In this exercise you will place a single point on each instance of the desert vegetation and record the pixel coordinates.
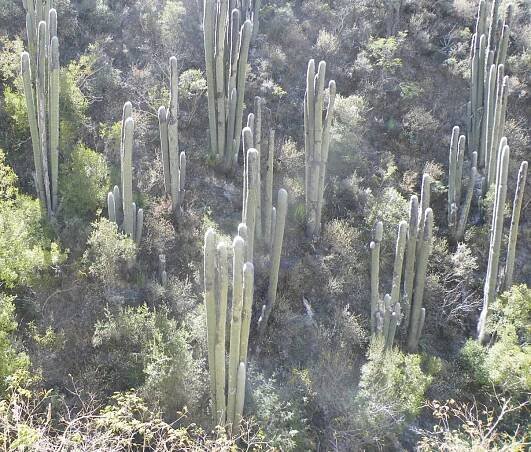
(265, 225)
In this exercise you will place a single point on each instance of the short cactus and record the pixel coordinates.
(130, 220)
(173, 162)
(458, 210)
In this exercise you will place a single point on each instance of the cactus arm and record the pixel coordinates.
(420, 280)
(325, 148)
(54, 116)
(282, 204)
(163, 133)
(34, 129)
(222, 284)
(111, 207)
(411, 249)
(250, 202)
(399, 261)
(246, 31)
(236, 323)
(210, 308)
(375, 272)
(182, 176)
(139, 226)
(248, 285)
(515, 221)
(268, 195)
(127, 177)
(209, 39)
(240, 395)
(495, 242)
(463, 217)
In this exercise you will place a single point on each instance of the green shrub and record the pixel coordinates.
(84, 182)
(25, 248)
(110, 254)
(147, 350)
(391, 393)
(11, 360)
(505, 364)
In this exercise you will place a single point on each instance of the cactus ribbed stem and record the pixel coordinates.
(282, 208)
(248, 287)
(268, 195)
(515, 221)
(251, 193)
(317, 140)
(209, 254)
(423, 252)
(491, 278)
(236, 324)
(411, 249)
(375, 272)
(111, 207)
(173, 162)
(222, 284)
(399, 261)
(226, 52)
(127, 176)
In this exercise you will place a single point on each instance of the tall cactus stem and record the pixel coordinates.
(282, 208)
(515, 221)
(375, 272)
(423, 251)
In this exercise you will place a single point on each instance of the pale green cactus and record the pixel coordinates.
(226, 66)
(375, 273)
(417, 314)
(488, 92)
(515, 221)
(316, 142)
(458, 210)
(173, 162)
(282, 208)
(251, 191)
(40, 74)
(227, 384)
(268, 195)
(496, 233)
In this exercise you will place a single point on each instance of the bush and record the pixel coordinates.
(110, 254)
(11, 360)
(24, 246)
(391, 393)
(507, 363)
(84, 182)
(147, 350)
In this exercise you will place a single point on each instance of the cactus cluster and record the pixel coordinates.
(226, 51)
(120, 205)
(496, 234)
(173, 163)
(316, 142)
(227, 383)
(413, 247)
(249, 9)
(40, 75)
(458, 208)
(489, 86)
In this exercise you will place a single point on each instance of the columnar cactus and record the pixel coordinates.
(515, 221)
(268, 195)
(226, 52)
(375, 272)
(130, 220)
(227, 391)
(316, 142)
(250, 9)
(282, 208)
(418, 313)
(173, 163)
(488, 94)
(491, 279)
(386, 316)
(251, 192)
(163, 275)
(40, 74)
(457, 210)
